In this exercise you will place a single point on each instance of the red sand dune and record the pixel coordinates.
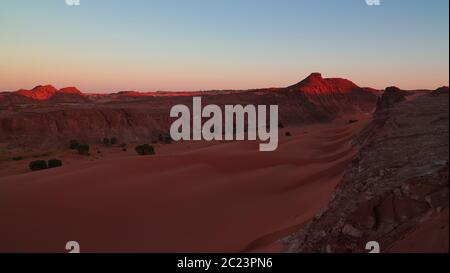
(222, 198)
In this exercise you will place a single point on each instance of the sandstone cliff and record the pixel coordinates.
(396, 188)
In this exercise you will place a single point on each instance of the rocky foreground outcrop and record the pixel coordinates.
(396, 189)
(46, 117)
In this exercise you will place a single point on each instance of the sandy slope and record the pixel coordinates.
(222, 198)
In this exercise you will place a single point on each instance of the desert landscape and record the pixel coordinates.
(353, 165)
(225, 135)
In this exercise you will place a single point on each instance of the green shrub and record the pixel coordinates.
(54, 163)
(38, 165)
(83, 149)
(145, 150)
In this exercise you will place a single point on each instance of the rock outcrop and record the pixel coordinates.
(39, 93)
(390, 97)
(441, 91)
(68, 114)
(395, 189)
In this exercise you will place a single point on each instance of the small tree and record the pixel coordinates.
(145, 150)
(83, 149)
(54, 163)
(38, 165)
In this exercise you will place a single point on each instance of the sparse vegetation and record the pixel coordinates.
(38, 165)
(110, 141)
(352, 121)
(54, 163)
(145, 150)
(288, 134)
(17, 158)
(83, 149)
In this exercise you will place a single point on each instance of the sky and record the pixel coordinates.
(184, 45)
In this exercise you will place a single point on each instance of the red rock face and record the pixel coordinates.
(396, 186)
(69, 95)
(69, 114)
(46, 93)
(39, 93)
(315, 84)
(70, 90)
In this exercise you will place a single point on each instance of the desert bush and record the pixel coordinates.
(38, 165)
(288, 134)
(17, 158)
(280, 125)
(113, 141)
(145, 150)
(74, 144)
(83, 149)
(54, 163)
(352, 121)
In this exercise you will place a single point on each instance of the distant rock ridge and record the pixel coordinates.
(131, 116)
(391, 96)
(40, 92)
(43, 93)
(316, 84)
(440, 91)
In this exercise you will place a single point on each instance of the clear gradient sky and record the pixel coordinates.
(149, 45)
